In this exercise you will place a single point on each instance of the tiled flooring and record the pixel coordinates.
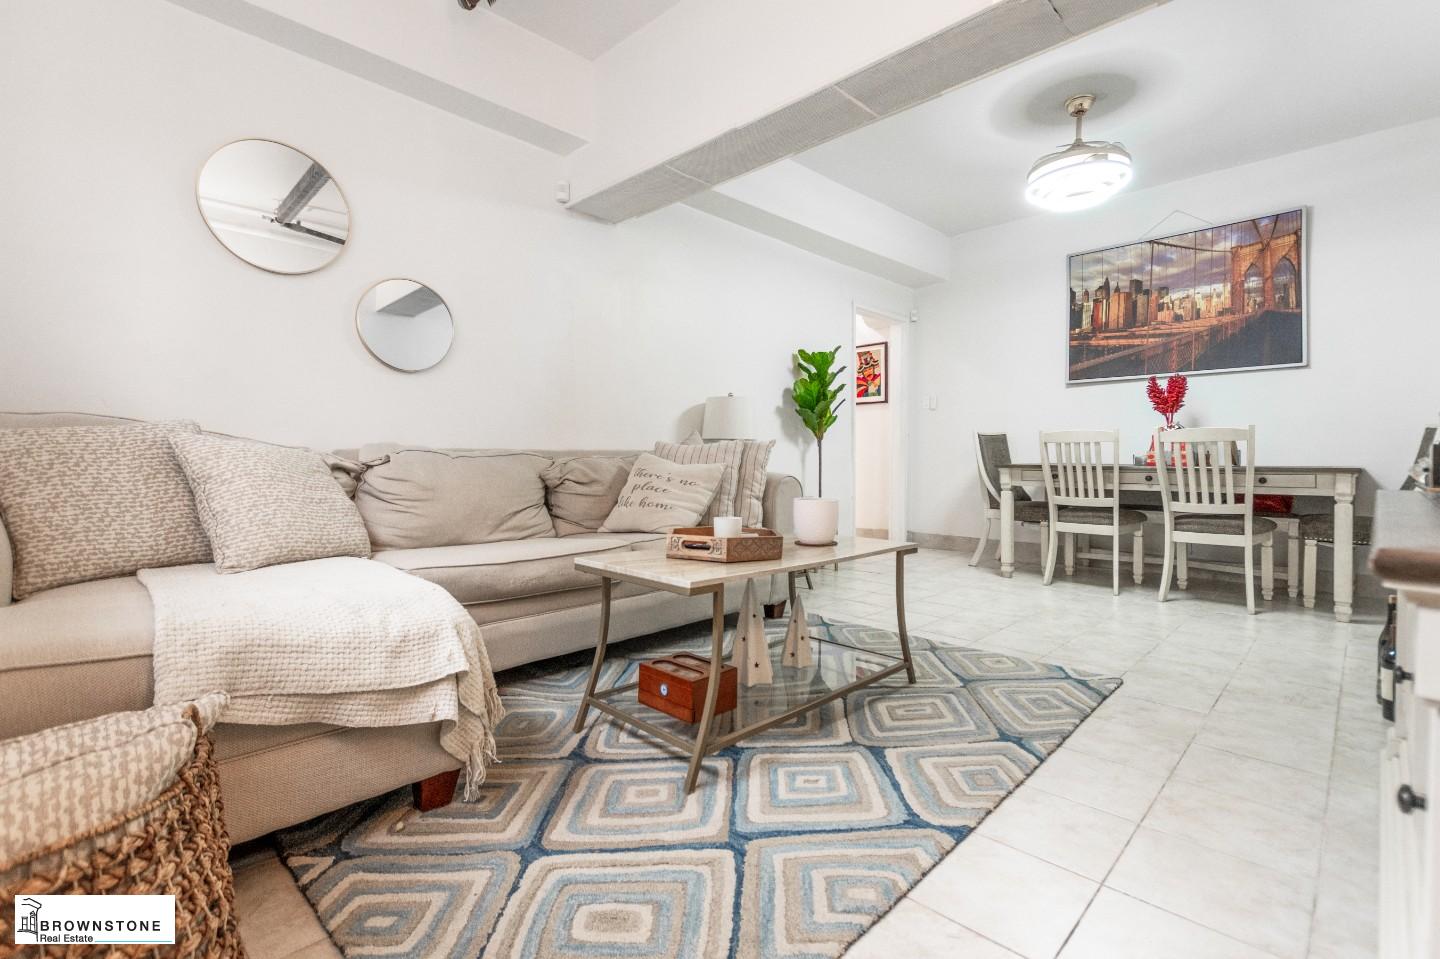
(1221, 804)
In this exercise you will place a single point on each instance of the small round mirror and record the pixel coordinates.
(405, 325)
(273, 206)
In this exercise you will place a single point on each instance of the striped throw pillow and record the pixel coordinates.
(727, 452)
(754, 467)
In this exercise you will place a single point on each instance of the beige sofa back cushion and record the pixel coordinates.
(424, 497)
(582, 490)
(89, 502)
(262, 504)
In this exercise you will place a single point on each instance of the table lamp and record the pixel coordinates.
(726, 418)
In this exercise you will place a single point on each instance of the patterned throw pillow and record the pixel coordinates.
(71, 779)
(754, 469)
(262, 504)
(728, 452)
(661, 495)
(91, 502)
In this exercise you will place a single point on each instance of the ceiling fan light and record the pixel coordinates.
(1084, 174)
(1079, 177)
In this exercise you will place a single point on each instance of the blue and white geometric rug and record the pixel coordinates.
(792, 844)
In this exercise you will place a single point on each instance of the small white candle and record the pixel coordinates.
(727, 527)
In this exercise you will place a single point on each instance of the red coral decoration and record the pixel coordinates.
(1167, 401)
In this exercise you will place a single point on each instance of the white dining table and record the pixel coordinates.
(1334, 483)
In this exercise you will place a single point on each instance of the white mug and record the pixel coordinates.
(727, 527)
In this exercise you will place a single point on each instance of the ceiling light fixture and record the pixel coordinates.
(1084, 174)
(472, 4)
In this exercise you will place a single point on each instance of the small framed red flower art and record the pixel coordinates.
(872, 374)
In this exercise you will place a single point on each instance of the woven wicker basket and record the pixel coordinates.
(173, 845)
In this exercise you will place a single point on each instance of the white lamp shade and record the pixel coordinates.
(726, 418)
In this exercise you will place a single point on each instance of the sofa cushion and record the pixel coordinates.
(728, 452)
(262, 504)
(75, 652)
(495, 572)
(582, 490)
(89, 502)
(423, 497)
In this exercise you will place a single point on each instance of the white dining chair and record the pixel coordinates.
(1209, 500)
(1082, 483)
(992, 451)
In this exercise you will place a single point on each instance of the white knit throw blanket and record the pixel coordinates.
(345, 641)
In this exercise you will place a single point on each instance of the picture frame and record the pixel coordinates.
(1225, 298)
(872, 373)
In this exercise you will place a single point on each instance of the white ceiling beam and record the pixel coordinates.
(800, 207)
(709, 91)
(473, 64)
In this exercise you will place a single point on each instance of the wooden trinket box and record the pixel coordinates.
(700, 542)
(676, 685)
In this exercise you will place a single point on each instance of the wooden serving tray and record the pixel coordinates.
(700, 542)
(676, 685)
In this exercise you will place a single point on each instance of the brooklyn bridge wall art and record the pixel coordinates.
(1223, 298)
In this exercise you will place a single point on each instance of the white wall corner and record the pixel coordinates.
(794, 204)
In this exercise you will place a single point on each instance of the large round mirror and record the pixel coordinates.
(273, 206)
(405, 325)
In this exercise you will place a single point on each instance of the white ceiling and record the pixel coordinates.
(1189, 87)
(586, 27)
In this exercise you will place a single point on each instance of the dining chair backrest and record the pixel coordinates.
(992, 451)
(1198, 474)
(1081, 468)
(1427, 440)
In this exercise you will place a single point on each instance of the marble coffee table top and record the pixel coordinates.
(649, 566)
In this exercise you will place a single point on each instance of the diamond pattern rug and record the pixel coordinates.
(793, 843)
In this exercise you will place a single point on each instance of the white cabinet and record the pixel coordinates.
(1410, 784)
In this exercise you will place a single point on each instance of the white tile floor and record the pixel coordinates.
(1221, 804)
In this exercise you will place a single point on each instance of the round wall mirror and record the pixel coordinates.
(273, 206)
(405, 325)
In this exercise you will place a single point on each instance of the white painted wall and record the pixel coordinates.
(568, 332)
(872, 440)
(992, 343)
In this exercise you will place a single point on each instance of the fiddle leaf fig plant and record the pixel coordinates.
(817, 397)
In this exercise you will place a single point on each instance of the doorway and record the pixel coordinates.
(881, 430)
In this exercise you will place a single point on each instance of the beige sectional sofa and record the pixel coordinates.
(82, 650)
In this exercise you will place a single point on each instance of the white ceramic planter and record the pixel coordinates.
(816, 520)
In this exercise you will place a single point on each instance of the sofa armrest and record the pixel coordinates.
(7, 566)
(778, 504)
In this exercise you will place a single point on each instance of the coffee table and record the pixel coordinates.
(801, 684)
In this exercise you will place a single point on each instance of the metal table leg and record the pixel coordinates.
(900, 615)
(605, 586)
(712, 688)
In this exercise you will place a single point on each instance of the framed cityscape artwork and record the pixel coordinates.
(872, 374)
(1219, 299)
